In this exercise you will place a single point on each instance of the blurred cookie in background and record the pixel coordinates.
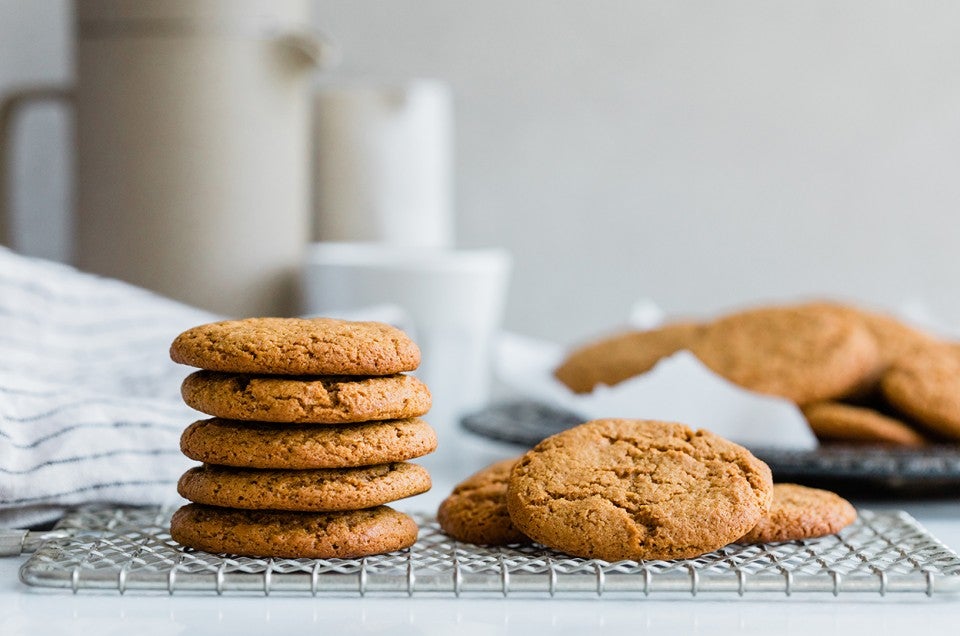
(800, 353)
(895, 339)
(613, 359)
(926, 386)
(838, 422)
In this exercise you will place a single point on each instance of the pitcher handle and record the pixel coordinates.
(10, 105)
(310, 48)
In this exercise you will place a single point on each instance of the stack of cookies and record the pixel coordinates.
(314, 421)
(618, 489)
(858, 376)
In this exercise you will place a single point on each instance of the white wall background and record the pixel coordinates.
(704, 154)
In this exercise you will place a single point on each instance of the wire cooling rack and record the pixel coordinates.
(129, 550)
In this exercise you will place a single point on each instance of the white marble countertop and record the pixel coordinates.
(24, 610)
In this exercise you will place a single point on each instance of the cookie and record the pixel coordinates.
(843, 422)
(313, 400)
(926, 386)
(300, 446)
(800, 353)
(618, 358)
(297, 346)
(799, 512)
(894, 338)
(293, 535)
(320, 490)
(476, 510)
(634, 489)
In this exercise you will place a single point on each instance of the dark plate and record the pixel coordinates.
(863, 471)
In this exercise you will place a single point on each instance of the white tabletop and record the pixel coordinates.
(25, 610)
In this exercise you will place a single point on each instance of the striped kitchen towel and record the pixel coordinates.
(90, 407)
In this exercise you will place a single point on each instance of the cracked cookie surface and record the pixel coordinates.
(297, 346)
(637, 489)
(476, 510)
(799, 512)
(299, 446)
(316, 400)
(294, 535)
(320, 490)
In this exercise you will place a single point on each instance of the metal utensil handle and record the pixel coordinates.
(14, 542)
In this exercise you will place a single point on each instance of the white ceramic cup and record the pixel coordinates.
(454, 298)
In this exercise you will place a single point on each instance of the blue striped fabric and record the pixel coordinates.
(90, 406)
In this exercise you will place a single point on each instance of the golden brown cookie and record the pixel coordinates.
(635, 489)
(800, 353)
(799, 512)
(612, 360)
(926, 386)
(293, 535)
(476, 510)
(300, 446)
(894, 338)
(843, 422)
(297, 346)
(308, 400)
(320, 490)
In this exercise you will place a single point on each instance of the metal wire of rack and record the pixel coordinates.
(130, 549)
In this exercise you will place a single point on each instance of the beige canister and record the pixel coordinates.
(193, 123)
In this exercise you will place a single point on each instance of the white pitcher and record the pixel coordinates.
(193, 122)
